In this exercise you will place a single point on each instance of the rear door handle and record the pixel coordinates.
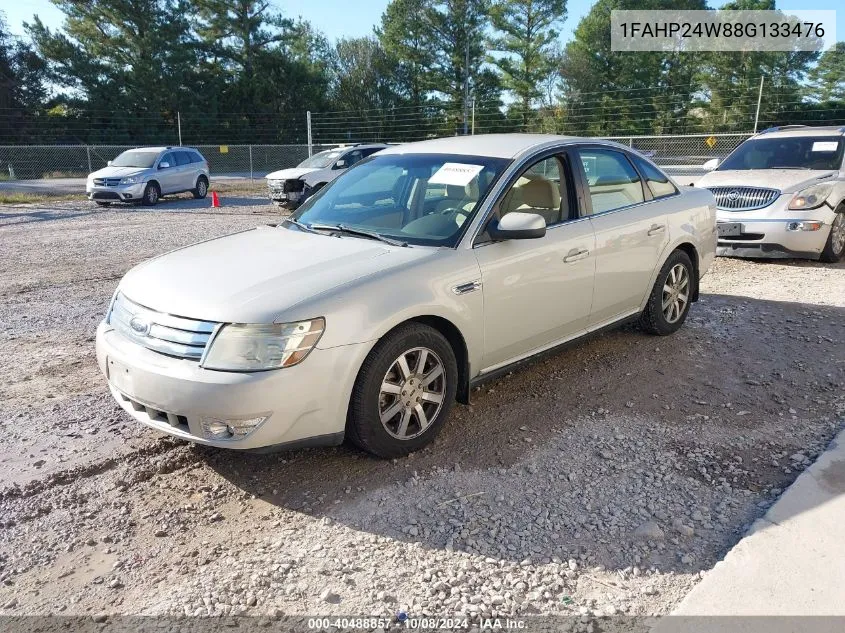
(574, 255)
(656, 228)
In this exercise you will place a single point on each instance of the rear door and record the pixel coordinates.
(630, 226)
(187, 170)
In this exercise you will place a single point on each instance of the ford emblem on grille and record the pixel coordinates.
(139, 326)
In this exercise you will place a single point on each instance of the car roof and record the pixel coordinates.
(802, 130)
(493, 145)
(162, 149)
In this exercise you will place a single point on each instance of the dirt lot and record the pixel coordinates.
(606, 479)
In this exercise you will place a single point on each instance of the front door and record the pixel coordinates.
(536, 291)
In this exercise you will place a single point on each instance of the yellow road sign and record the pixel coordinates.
(224, 149)
(710, 141)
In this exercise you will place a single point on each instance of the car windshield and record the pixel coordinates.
(424, 199)
(787, 152)
(135, 158)
(321, 159)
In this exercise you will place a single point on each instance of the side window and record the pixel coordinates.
(353, 157)
(541, 189)
(182, 158)
(169, 159)
(611, 178)
(196, 157)
(656, 180)
(370, 150)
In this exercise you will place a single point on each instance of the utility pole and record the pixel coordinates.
(466, 85)
(473, 116)
(759, 99)
(308, 125)
(179, 126)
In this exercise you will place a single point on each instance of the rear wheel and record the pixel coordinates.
(404, 392)
(151, 196)
(201, 190)
(834, 249)
(669, 302)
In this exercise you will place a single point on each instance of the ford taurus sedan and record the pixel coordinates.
(415, 275)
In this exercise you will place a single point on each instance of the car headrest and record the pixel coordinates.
(540, 194)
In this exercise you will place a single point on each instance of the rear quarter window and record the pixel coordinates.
(656, 180)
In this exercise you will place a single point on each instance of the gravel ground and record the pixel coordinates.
(606, 479)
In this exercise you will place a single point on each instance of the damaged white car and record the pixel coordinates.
(291, 187)
(782, 194)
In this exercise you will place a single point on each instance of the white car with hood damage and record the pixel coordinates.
(291, 187)
(422, 272)
(782, 194)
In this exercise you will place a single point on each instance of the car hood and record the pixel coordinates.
(786, 180)
(253, 276)
(290, 174)
(116, 172)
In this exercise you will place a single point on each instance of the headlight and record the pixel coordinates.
(131, 180)
(240, 347)
(274, 183)
(811, 197)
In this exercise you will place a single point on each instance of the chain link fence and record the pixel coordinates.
(28, 162)
(678, 155)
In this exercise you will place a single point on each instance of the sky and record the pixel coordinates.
(354, 18)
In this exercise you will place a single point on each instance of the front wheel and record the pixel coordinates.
(404, 392)
(669, 301)
(151, 194)
(201, 190)
(100, 203)
(834, 248)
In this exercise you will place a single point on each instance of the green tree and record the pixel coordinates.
(406, 36)
(827, 78)
(131, 58)
(525, 37)
(458, 28)
(607, 92)
(23, 87)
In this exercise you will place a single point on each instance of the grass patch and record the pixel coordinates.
(20, 197)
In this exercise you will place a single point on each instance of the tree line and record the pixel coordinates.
(240, 71)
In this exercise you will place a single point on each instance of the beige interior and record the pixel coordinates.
(534, 194)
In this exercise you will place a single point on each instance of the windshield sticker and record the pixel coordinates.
(455, 174)
(825, 146)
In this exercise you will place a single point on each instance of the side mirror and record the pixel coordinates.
(163, 165)
(108, 163)
(711, 164)
(518, 226)
(340, 164)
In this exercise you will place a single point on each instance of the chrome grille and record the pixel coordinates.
(160, 332)
(743, 198)
(107, 182)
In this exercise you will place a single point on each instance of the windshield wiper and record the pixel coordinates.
(342, 228)
(299, 224)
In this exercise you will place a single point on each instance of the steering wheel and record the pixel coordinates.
(456, 211)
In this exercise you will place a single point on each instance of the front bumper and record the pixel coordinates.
(277, 193)
(773, 232)
(304, 404)
(119, 193)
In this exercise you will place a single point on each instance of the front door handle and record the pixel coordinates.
(656, 228)
(574, 255)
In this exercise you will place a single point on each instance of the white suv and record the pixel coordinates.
(145, 174)
(782, 194)
(291, 187)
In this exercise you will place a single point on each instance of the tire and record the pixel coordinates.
(834, 248)
(152, 194)
(101, 203)
(201, 190)
(382, 393)
(677, 274)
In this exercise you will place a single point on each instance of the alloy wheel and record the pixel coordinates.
(837, 234)
(412, 393)
(675, 293)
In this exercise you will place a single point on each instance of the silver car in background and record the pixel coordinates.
(781, 194)
(425, 270)
(145, 174)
